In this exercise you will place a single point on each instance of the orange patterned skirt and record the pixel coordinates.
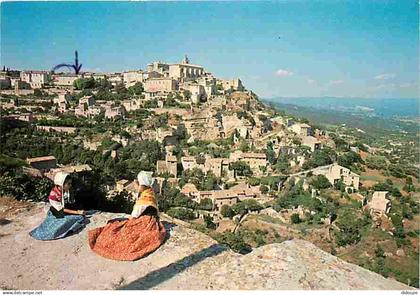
(129, 239)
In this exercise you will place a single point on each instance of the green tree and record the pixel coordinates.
(294, 218)
(227, 211)
(181, 213)
(208, 221)
(234, 241)
(241, 168)
(320, 182)
(376, 162)
(349, 228)
(206, 204)
(136, 89)
(264, 189)
(349, 158)
(246, 206)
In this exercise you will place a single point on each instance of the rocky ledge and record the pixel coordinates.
(187, 260)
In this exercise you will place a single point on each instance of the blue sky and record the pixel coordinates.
(278, 48)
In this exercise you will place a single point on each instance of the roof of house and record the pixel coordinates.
(171, 158)
(304, 125)
(254, 155)
(187, 159)
(74, 168)
(40, 159)
(122, 181)
(189, 188)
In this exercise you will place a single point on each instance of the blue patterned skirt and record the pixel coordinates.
(55, 228)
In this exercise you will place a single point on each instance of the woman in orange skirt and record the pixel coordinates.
(136, 237)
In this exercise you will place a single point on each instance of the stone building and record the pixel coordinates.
(185, 71)
(115, 78)
(302, 129)
(379, 204)
(188, 162)
(158, 67)
(130, 78)
(42, 163)
(189, 190)
(160, 85)
(312, 142)
(66, 80)
(25, 117)
(254, 160)
(61, 129)
(232, 85)
(88, 100)
(114, 112)
(335, 172)
(37, 79)
(218, 166)
(198, 93)
(169, 165)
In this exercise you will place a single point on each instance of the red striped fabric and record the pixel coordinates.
(55, 194)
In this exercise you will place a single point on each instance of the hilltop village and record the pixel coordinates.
(224, 163)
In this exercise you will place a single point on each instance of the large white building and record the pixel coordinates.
(130, 78)
(335, 172)
(185, 71)
(37, 79)
(66, 80)
(160, 85)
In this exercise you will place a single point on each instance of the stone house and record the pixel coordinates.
(63, 129)
(312, 142)
(302, 129)
(185, 71)
(169, 165)
(115, 112)
(218, 166)
(335, 172)
(254, 160)
(379, 204)
(190, 190)
(42, 163)
(160, 85)
(87, 100)
(37, 79)
(130, 78)
(232, 85)
(188, 162)
(66, 80)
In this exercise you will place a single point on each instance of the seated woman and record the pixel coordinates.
(133, 238)
(60, 221)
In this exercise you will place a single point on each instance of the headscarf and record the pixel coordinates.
(145, 178)
(60, 178)
(147, 197)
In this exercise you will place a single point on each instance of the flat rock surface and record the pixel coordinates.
(187, 260)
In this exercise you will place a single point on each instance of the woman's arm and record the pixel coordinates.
(75, 212)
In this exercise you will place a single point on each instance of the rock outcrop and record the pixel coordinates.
(187, 260)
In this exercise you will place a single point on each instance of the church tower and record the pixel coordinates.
(185, 60)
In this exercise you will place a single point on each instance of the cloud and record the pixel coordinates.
(335, 82)
(283, 73)
(405, 85)
(311, 81)
(385, 76)
(385, 86)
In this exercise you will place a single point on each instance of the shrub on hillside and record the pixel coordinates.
(181, 213)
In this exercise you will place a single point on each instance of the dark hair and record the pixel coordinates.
(67, 180)
(150, 211)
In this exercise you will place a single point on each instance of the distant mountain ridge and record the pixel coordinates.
(381, 107)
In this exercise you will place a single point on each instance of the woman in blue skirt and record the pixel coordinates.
(60, 221)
